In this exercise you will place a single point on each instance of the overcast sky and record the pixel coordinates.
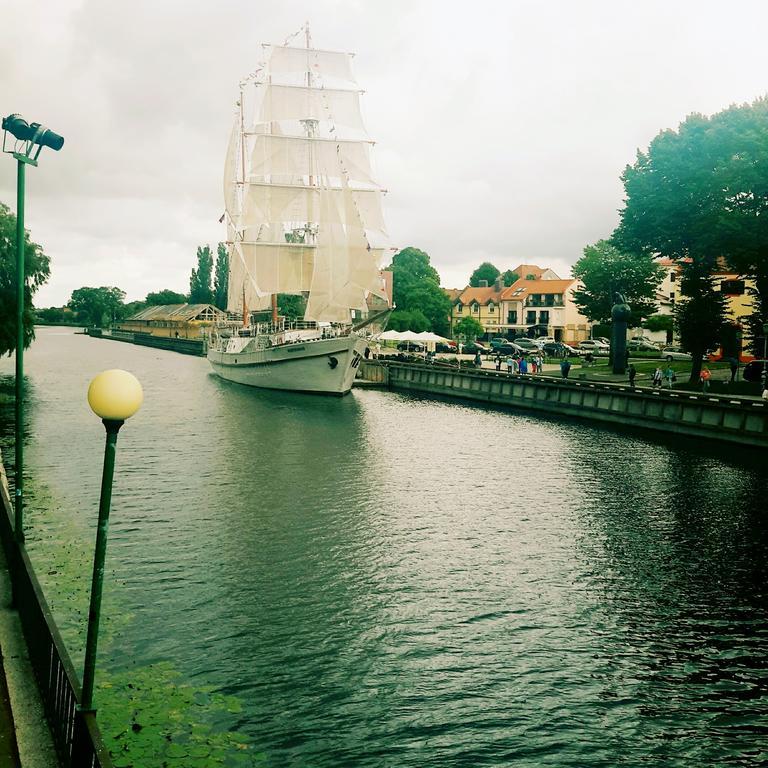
(502, 127)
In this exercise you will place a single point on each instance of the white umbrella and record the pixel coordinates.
(391, 336)
(429, 336)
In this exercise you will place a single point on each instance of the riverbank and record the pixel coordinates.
(729, 419)
(196, 347)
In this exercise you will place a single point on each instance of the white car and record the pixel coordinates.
(594, 346)
(675, 353)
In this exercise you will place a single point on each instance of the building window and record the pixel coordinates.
(475, 307)
(491, 307)
(512, 317)
(459, 308)
(544, 318)
(672, 277)
(530, 318)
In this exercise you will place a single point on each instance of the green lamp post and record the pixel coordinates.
(115, 396)
(28, 137)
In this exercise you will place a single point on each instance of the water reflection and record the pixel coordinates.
(385, 579)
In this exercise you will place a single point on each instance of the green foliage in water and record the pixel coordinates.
(148, 716)
(151, 718)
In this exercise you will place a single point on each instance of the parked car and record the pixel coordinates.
(412, 346)
(528, 345)
(496, 342)
(605, 341)
(473, 348)
(560, 349)
(642, 345)
(675, 353)
(509, 348)
(449, 346)
(595, 346)
(753, 371)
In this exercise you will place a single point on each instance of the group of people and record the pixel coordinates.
(659, 378)
(518, 363)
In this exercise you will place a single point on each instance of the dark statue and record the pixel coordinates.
(620, 314)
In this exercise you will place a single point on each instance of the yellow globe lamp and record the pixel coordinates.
(115, 395)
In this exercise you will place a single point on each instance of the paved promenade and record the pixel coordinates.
(24, 736)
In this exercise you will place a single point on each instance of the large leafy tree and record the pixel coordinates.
(605, 270)
(221, 277)
(97, 306)
(509, 277)
(486, 271)
(700, 194)
(37, 268)
(468, 328)
(416, 286)
(291, 306)
(415, 321)
(200, 290)
(699, 318)
(166, 296)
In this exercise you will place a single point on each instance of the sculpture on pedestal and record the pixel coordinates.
(620, 314)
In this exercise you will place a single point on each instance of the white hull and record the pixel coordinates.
(306, 366)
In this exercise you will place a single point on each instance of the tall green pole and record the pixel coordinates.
(94, 613)
(21, 282)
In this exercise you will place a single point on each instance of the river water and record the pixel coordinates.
(385, 580)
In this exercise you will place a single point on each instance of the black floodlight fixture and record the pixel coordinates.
(31, 134)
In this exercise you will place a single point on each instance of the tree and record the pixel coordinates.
(664, 323)
(469, 328)
(166, 296)
(291, 306)
(605, 270)
(486, 271)
(699, 317)
(97, 306)
(37, 268)
(221, 278)
(510, 277)
(200, 291)
(416, 286)
(699, 194)
(414, 320)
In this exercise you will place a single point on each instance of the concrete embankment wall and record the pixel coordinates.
(185, 346)
(739, 420)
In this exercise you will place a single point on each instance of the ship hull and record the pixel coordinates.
(302, 367)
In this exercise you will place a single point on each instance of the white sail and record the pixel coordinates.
(304, 210)
(286, 159)
(290, 61)
(340, 107)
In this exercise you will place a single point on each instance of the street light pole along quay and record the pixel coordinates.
(28, 137)
(114, 396)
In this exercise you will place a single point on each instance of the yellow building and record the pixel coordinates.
(482, 304)
(179, 321)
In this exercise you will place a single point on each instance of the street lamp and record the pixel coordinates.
(114, 396)
(28, 136)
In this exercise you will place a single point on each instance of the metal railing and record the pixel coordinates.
(75, 733)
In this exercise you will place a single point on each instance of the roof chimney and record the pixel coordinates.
(482, 284)
(498, 284)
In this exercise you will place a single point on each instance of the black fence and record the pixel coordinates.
(75, 733)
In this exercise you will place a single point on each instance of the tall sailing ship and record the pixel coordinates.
(304, 216)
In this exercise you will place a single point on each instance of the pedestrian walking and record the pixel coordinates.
(657, 378)
(632, 371)
(565, 368)
(510, 364)
(704, 378)
(478, 360)
(669, 376)
(523, 365)
(498, 362)
(734, 369)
